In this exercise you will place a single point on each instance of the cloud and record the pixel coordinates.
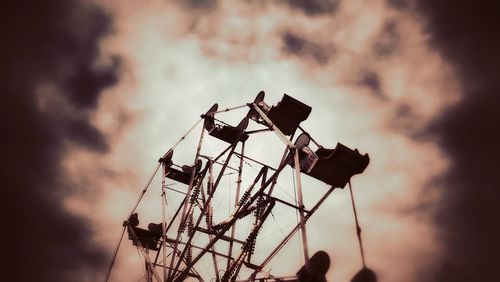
(305, 49)
(467, 36)
(315, 7)
(200, 5)
(387, 42)
(401, 4)
(52, 79)
(180, 71)
(371, 80)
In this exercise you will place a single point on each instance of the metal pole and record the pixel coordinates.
(301, 206)
(255, 161)
(186, 203)
(146, 256)
(237, 198)
(149, 276)
(209, 199)
(283, 159)
(257, 228)
(207, 211)
(290, 235)
(230, 109)
(207, 247)
(164, 222)
(194, 269)
(273, 127)
(234, 217)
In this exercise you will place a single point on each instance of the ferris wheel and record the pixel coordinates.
(201, 239)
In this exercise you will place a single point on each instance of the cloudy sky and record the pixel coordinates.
(95, 91)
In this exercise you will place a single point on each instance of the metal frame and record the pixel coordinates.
(256, 201)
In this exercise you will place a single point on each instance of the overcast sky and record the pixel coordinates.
(95, 92)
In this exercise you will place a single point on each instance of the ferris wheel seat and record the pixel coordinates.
(155, 229)
(229, 134)
(288, 114)
(315, 269)
(188, 169)
(179, 176)
(224, 132)
(337, 166)
(332, 166)
(183, 175)
(144, 238)
(365, 275)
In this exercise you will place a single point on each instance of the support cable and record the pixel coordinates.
(114, 254)
(290, 235)
(143, 192)
(183, 137)
(358, 228)
(130, 214)
(230, 109)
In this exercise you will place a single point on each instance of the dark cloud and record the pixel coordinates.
(315, 7)
(371, 80)
(305, 49)
(205, 5)
(388, 40)
(401, 4)
(407, 121)
(468, 37)
(52, 79)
